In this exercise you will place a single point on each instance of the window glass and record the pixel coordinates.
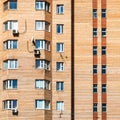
(11, 44)
(60, 105)
(60, 86)
(60, 66)
(10, 64)
(60, 9)
(103, 107)
(94, 13)
(94, 69)
(10, 104)
(60, 28)
(95, 107)
(60, 47)
(103, 13)
(94, 32)
(13, 4)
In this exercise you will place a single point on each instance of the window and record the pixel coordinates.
(60, 66)
(5, 5)
(11, 25)
(94, 107)
(11, 44)
(42, 5)
(94, 69)
(94, 13)
(42, 44)
(43, 104)
(60, 86)
(103, 32)
(10, 84)
(103, 13)
(60, 47)
(10, 64)
(13, 4)
(10, 4)
(103, 69)
(60, 105)
(9, 104)
(60, 28)
(42, 25)
(94, 32)
(103, 50)
(60, 9)
(103, 107)
(94, 50)
(42, 64)
(42, 84)
(103, 88)
(94, 88)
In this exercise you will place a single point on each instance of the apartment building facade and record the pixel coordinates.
(59, 59)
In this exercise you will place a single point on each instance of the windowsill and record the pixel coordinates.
(103, 36)
(10, 89)
(41, 109)
(59, 33)
(94, 36)
(42, 10)
(10, 49)
(42, 89)
(60, 71)
(60, 90)
(12, 69)
(60, 52)
(41, 69)
(59, 13)
(43, 30)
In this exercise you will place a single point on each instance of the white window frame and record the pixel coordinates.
(42, 84)
(60, 65)
(60, 47)
(11, 64)
(9, 44)
(44, 104)
(42, 5)
(43, 64)
(60, 27)
(9, 104)
(9, 84)
(42, 25)
(60, 86)
(60, 105)
(11, 25)
(42, 44)
(60, 9)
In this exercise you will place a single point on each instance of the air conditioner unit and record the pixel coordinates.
(36, 52)
(15, 111)
(15, 32)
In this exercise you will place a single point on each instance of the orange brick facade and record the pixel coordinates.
(81, 100)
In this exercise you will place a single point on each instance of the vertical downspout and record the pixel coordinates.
(72, 61)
